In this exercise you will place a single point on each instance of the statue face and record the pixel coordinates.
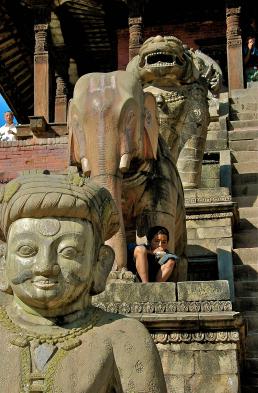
(49, 261)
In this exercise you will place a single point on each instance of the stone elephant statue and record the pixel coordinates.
(180, 79)
(114, 138)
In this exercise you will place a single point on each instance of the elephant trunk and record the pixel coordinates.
(118, 241)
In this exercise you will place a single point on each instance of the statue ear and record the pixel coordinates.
(151, 126)
(4, 284)
(102, 269)
(192, 73)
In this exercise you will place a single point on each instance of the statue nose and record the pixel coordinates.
(47, 269)
(45, 262)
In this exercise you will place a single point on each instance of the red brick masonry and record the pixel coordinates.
(33, 153)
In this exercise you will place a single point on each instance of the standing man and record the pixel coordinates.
(8, 131)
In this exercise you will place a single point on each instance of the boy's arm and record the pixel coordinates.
(168, 256)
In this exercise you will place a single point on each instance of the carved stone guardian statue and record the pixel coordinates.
(52, 339)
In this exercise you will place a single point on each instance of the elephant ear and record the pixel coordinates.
(77, 140)
(151, 126)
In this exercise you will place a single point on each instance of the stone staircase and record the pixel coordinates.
(243, 142)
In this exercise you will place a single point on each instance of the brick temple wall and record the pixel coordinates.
(33, 153)
(192, 34)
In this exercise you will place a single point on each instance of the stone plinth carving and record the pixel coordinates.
(199, 338)
(52, 338)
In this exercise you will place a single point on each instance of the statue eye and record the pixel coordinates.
(69, 252)
(27, 251)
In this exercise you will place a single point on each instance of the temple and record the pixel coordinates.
(204, 323)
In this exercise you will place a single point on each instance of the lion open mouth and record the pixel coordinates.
(161, 59)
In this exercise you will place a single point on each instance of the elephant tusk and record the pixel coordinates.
(85, 166)
(125, 162)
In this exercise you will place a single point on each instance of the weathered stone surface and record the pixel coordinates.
(216, 362)
(175, 384)
(207, 246)
(203, 290)
(131, 292)
(214, 384)
(222, 222)
(182, 362)
(214, 232)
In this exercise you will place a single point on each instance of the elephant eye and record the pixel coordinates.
(27, 250)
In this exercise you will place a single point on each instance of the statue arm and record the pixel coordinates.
(137, 359)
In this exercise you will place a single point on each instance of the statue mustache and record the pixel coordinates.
(28, 274)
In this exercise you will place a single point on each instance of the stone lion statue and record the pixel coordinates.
(181, 80)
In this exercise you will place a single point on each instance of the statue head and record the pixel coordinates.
(164, 59)
(55, 227)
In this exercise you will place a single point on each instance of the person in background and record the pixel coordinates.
(154, 263)
(8, 131)
(250, 58)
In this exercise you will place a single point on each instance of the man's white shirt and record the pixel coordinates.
(6, 135)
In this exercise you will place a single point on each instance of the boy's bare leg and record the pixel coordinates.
(165, 271)
(141, 262)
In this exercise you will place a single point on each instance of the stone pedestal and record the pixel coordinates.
(210, 216)
(199, 337)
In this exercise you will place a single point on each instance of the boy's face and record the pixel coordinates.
(159, 242)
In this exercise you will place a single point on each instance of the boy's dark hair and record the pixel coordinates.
(157, 230)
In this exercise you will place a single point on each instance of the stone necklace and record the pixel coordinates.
(41, 353)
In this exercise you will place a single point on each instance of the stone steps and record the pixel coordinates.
(251, 366)
(241, 94)
(245, 167)
(237, 114)
(243, 134)
(245, 256)
(245, 189)
(246, 303)
(246, 200)
(243, 145)
(244, 156)
(243, 124)
(252, 345)
(243, 142)
(246, 288)
(248, 223)
(252, 321)
(248, 212)
(249, 388)
(246, 238)
(246, 273)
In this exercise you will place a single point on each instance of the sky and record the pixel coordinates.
(3, 108)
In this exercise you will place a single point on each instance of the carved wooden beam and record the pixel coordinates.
(135, 36)
(60, 100)
(135, 22)
(41, 72)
